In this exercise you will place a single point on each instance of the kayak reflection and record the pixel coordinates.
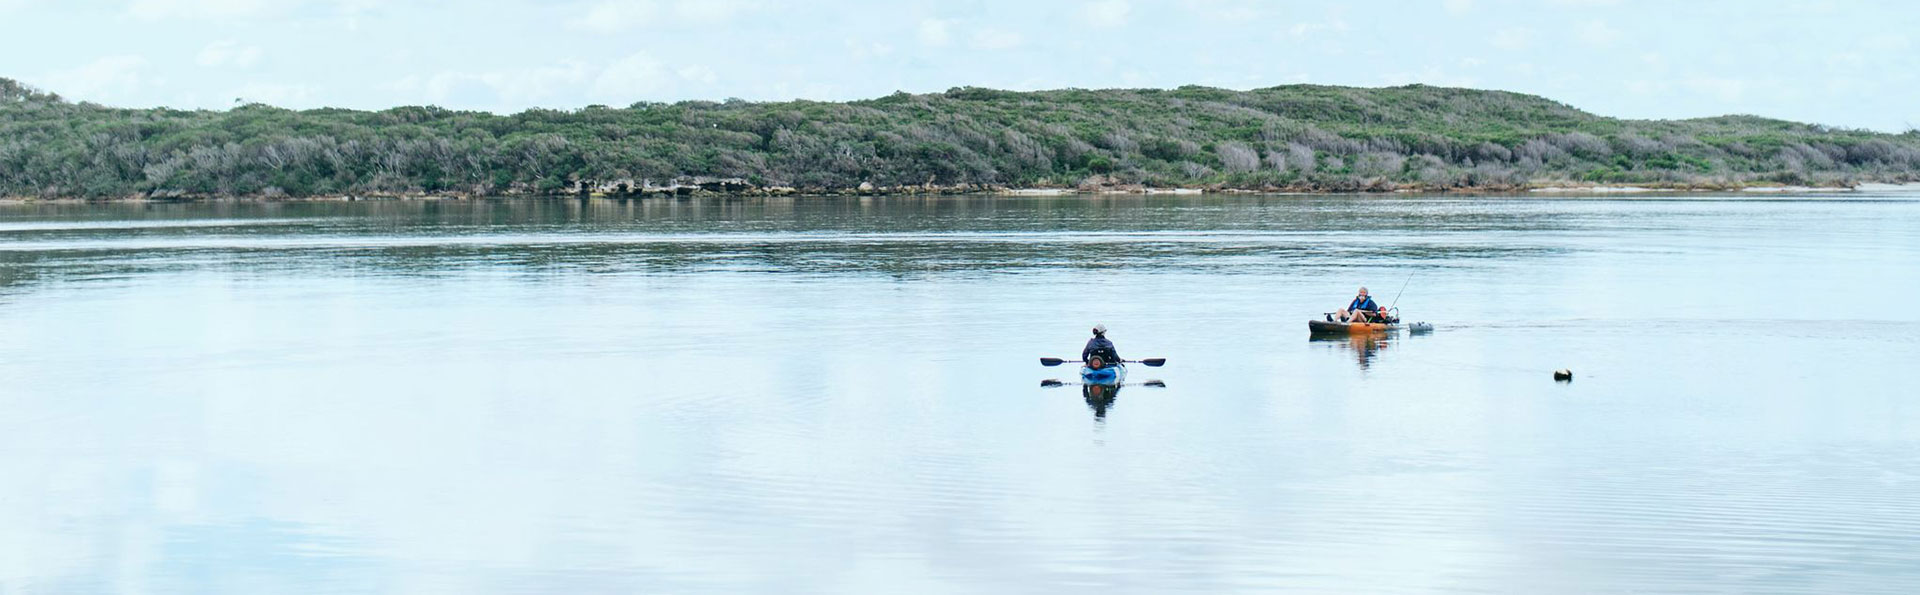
(1100, 398)
(1365, 346)
(1100, 391)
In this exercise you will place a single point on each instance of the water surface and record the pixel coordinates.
(842, 395)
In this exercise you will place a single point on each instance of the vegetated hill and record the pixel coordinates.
(1299, 137)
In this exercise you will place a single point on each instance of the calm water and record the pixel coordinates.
(842, 395)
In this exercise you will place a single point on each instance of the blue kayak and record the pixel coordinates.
(1107, 375)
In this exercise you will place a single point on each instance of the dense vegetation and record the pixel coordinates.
(1295, 137)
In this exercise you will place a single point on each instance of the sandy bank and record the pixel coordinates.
(1036, 192)
(1604, 189)
(1595, 190)
(1907, 187)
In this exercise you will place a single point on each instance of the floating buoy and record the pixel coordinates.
(1563, 375)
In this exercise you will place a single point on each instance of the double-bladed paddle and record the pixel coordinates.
(1152, 362)
(1050, 383)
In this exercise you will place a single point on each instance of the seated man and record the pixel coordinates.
(1363, 309)
(1100, 346)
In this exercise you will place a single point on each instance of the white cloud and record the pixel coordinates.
(103, 80)
(197, 9)
(612, 16)
(631, 79)
(1598, 33)
(348, 11)
(861, 49)
(228, 53)
(616, 15)
(642, 77)
(1228, 10)
(1517, 38)
(1846, 61)
(1645, 87)
(997, 39)
(1108, 13)
(697, 74)
(711, 11)
(1889, 43)
(502, 90)
(1458, 6)
(1652, 63)
(1725, 89)
(1804, 7)
(1304, 30)
(935, 32)
(636, 77)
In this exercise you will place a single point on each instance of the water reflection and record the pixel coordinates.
(1365, 347)
(902, 238)
(1100, 398)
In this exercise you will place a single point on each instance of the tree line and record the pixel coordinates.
(1298, 137)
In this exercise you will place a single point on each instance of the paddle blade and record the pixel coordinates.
(1051, 383)
(1155, 384)
(1154, 362)
(1051, 361)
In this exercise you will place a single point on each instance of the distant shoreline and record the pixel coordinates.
(1294, 139)
(1569, 189)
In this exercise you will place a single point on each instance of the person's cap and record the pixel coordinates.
(1100, 328)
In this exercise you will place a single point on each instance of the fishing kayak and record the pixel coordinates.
(1322, 327)
(1107, 375)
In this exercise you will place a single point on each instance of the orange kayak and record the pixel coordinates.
(1321, 327)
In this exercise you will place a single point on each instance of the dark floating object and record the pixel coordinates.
(1563, 375)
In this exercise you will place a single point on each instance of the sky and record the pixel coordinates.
(1835, 62)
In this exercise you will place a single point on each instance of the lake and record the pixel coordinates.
(842, 395)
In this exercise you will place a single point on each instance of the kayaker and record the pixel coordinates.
(1100, 346)
(1362, 309)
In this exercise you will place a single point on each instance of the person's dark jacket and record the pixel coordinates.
(1099, 345)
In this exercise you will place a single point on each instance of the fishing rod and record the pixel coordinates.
(1403, 290)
